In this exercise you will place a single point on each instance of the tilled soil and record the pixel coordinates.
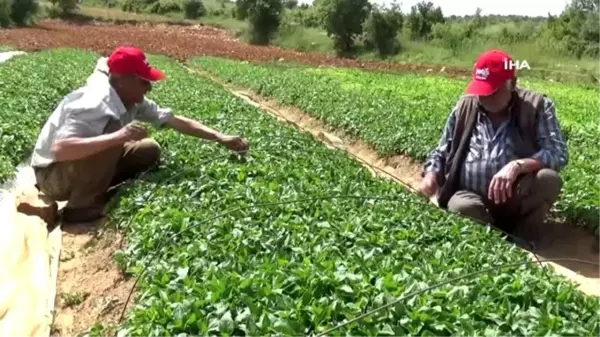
(183, 42)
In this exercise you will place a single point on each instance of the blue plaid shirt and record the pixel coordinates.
(490, 150)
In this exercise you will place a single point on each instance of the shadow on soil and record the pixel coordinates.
(561, 240)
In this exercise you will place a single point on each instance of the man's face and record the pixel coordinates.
(498, 100)
(134, 88)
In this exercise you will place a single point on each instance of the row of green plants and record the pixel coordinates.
(30, 89)
(266, 250)
(405, 114)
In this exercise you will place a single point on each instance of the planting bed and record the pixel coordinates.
(405, 114)
(296, 268)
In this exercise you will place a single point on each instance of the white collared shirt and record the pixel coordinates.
(86, 111)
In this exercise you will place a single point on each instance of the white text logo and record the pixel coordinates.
(516, 64)
(482, 73)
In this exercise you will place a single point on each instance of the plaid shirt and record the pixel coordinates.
(491, 150)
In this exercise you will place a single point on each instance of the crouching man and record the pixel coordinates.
(91, 142)
(499, 157)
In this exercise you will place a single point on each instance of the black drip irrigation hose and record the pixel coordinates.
(229, 211)
(442, 283)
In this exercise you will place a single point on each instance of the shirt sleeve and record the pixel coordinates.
(81, 121)
(149, 111)
(554, 152)
(436, 158)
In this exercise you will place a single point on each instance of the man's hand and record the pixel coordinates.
(132, 132)
(234, 143)
(500, 189)
(428, 185)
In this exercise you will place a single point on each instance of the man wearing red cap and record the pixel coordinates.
(91, 142)
(499, 156)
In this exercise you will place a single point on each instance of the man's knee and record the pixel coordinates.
(141, 154)
(548, 183)
(469, 205)
(150, 150)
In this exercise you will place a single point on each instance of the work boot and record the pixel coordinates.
(79, 215)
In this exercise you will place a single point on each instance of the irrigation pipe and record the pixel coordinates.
(440, 284)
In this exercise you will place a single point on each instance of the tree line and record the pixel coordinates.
(360, 24)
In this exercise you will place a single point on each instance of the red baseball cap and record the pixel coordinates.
(132, 61)
(492, 69)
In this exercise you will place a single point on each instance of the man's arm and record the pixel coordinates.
(436, 159)
(554, 152)
(74, 148)
(194, 128)
(82, 135)
(149, 111)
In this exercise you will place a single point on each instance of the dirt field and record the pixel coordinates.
(182, 42)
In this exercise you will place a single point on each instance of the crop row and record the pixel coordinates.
(30, 88)
(255, 263)
(254, 260)
(405, 114)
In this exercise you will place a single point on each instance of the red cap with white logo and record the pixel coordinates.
(492, 70)
(132, 61)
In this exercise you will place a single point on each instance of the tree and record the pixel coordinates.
(5, 10)
(343, 20)
(290, 4)
(264, 17)
(22, 11)
(193, 9)
(381, 30)
(422, 17)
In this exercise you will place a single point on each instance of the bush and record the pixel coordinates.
(343, 21)
(264, 17)
(62, 7)
(165, 6)
(381, 30)
(450, 36)
(22, 11)
(136, 6)
(307, 17)
(193, 9)
(5, 10)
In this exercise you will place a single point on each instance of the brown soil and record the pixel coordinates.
(91, 288)
(558, 241)
(182, 43)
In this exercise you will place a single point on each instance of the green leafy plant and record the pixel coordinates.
(47, 76)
